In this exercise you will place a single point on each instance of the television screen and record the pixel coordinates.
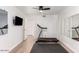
(18, 21)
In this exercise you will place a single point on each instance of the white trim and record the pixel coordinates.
(16, 47)
(66, 47)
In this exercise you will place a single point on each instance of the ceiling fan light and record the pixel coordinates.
(41, 11)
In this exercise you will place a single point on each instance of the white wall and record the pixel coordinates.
(50, 21)
(15, 33)
(70, 43)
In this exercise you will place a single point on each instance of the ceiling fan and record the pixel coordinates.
(42, 8)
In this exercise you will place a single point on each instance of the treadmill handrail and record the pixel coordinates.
(41, 27)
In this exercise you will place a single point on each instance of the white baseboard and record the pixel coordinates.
(25, 46)
(13, 50)
(66, 47)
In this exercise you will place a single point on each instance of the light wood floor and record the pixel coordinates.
(21, 48)
(25, 46)
(29, 45)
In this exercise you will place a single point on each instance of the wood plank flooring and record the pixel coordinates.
(39, 47)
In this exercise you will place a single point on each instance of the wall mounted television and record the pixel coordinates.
(18, 21)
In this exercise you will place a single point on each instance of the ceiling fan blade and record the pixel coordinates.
(46, 9)
(41, 8)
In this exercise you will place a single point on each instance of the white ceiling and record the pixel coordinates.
(29, 10)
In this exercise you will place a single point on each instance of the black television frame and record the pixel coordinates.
(18, 21)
